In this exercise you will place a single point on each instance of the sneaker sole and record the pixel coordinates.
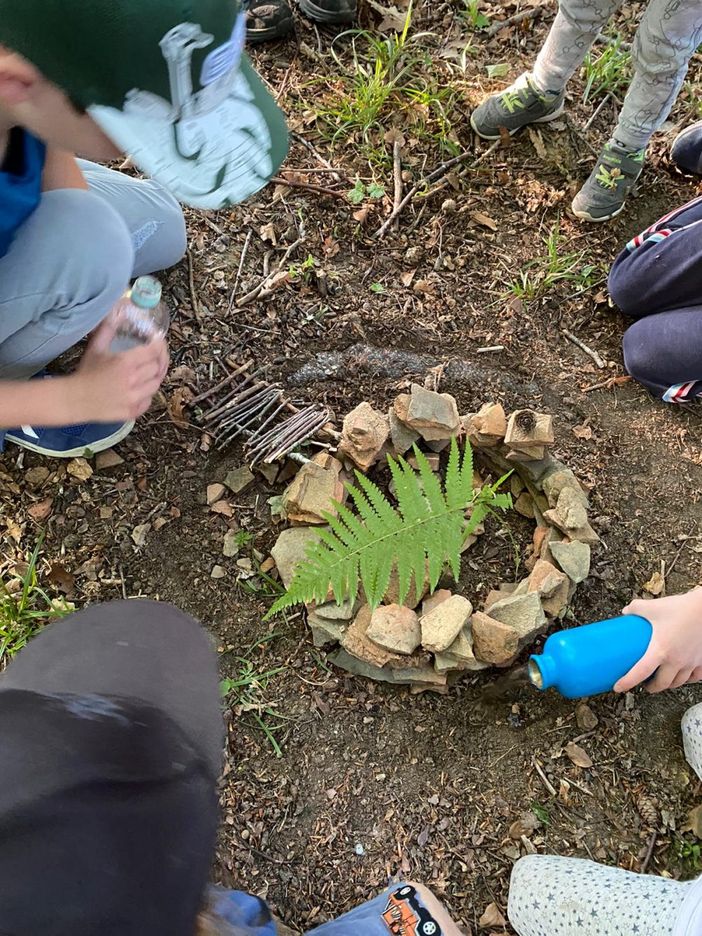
(695, 127)
(583, 215)
(281, 30)
(540, 120)
(86, 450)
(321, 15)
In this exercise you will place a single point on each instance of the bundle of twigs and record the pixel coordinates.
(245, 404)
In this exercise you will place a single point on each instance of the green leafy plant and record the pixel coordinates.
(556, 266)
(360, 192)
(607, 71)
(423, 534)
(25, 609)
(688, 854)
(472, 13)
(541, 813)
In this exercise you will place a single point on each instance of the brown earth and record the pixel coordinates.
(423, 786)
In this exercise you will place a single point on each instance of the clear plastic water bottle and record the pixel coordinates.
(139, 316)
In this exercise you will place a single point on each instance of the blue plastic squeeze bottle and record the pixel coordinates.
(588, 660)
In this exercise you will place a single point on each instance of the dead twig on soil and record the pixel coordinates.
(397, 177)
(583, 347)
(318, 156)
(595, 114)
(309, 187)
(649, 853)
(260, 289)
(242, 258)
(531, 13)
(432, 177)
(544, 779)
(191, 285)
(608, 384)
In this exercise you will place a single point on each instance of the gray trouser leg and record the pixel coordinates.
(574, 30)
(669, 33)
(74, 257)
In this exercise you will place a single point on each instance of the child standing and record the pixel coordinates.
(669, 33)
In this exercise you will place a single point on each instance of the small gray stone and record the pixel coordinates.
(424, 675)
(402, 437)
(218, 572)
(433, 415)
(395, 628)
(523, 613)
(331, 611)
(442, 625)
(238, 479)
(559, 478)
(459, 655)
(291, 549)
(231, 547)
(324, 632)
(573, 558)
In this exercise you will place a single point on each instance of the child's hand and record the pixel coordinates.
(675, 650)
(116, 387)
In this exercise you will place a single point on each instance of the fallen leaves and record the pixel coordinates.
(583, 432)
(578, 755)
(484, 220)
(80, 469)
(491, 917)
(63, 580)
(140, 534)
(656, 584)
(41, 510)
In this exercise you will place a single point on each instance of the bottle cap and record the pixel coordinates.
(541, 670)
(146, 292)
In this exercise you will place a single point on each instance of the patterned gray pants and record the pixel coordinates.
(552, 896)
(669, 33)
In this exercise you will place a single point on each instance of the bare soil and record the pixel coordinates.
(374, 782)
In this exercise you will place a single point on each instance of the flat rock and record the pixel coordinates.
(433, 601)
(331, 611)
(238, 479)
(325, 633)
(526, 428)
(214, 493)
(460, 655)
(395, 628)
(559, 478)
(556, 604)
(423, 675)
(493, 641)
(401, 436)
(546, 579)
(290, 549)
(487, 427)
(364, 434)
(433, 415)
(358, 644)
(503, 590)
(442, 625)
(230, 546)
(523, 613)
(313, 491)
(573, 558)
(524, 505)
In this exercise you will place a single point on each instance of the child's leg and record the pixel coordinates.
(669, 33)
(574, 30)
(574, 897)
(152, 215)
(72, 260)
(692, 738)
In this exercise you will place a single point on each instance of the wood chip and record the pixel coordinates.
(577, 755)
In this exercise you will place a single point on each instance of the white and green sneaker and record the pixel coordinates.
(614, 176)
(518, 106)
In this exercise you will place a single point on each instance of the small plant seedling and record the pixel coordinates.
(423, 534)
(558, 265)
(498, 70)
(608, 71)
(688, 854)
(475, 17)
(304, 269)
(360, 192)
(541, 813)
(26, 609)
(377, 288)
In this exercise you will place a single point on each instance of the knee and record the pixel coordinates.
(692, 737)
(619, 284)
(638, 354)
(528, 877)
(161, 241)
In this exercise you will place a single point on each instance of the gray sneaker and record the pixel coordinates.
(516, 107)
(605, 192)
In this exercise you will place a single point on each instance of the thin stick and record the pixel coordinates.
(649, 853)
(223, 383)
(309, 187)
(546, 782)
(439, 171)
(595, 113)
(191, 283)
(318, 156)
(497, 347)
(397, 176)
(583, 347)
(244, 251)
(257, 290)
(513, 20)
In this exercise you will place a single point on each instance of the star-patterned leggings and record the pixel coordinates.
(552, 896)
(668, 35)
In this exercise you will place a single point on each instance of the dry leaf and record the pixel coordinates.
(139, 534)
(108, 459)
(176, 405)
(485, 220)
(41, 510)
(35, 477)
(525, 825)
(61, 578)
(80, 469)
(577, 755)
(267, 232)
(538, 143)
(491, 917)
(582, 432)
(655, 585)
(362, 214)
(407, 277)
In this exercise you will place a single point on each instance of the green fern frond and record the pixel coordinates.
(423, 533)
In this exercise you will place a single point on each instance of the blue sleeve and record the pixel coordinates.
(20, 183)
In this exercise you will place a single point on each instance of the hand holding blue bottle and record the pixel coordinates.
(675, 651)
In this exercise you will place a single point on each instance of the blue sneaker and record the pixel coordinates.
(686, 151)
(69, 441)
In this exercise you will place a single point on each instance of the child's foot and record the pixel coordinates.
(334, 12)
(686, 151)
(605, 192)
(69, 441)
(516, 107)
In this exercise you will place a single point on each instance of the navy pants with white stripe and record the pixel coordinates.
(657, 280)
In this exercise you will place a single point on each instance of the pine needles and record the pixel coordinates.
(419, 538)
